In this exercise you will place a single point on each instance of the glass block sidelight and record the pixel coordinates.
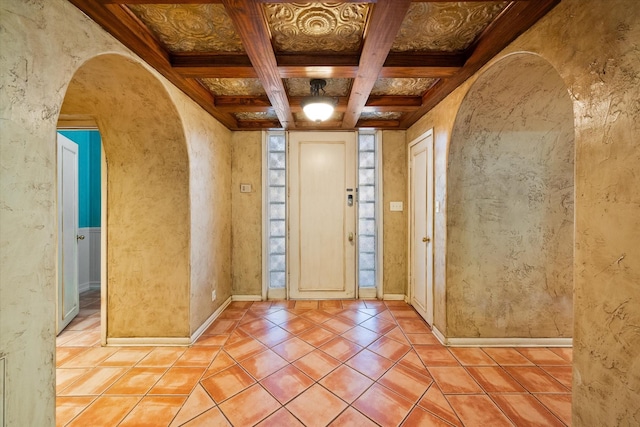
(276, 200)
(367, 194)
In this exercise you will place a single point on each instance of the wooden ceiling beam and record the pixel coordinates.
(384, 23)
(514, 20)
(198, 65)
(250, 23)
(392, 104)
(124, 26)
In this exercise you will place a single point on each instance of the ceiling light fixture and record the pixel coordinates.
(318, 107)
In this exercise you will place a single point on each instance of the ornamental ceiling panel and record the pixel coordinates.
(190, 27)
(380, 115)
(261, 115)
(406, 87)
(234, 87)
(449, 26)
(302, 87)
(316, 27)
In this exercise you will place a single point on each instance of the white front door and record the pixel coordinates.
(421, 235)
(68, 298)
(322, 212)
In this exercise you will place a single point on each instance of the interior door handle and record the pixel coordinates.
(80, 237)
(426, 239)
(351, 237)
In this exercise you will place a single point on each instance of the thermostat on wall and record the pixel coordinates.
(245, 188)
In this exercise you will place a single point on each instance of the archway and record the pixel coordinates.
(510, 205)
(147, 196)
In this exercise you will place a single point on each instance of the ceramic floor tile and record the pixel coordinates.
(361, 336)
(94, 382)
(263, 364)
(558, 404)
(221, 326)
(425, 339)
(221, 362)
(370, 364)
(160, 409)
(126, 357)
(562, 374)
(329, 304)
(177, 380)
(525, 410)
(565, 353)
(293, 349)
(197, 403)
(383, 406)
(352, 418)
(454, 380)
(212, 418)
(390, 349)
(346, 383)
(432, 355)
(407, 383)
(435, 402)
(90, 358)
(354, 316)
(225, 384)
(387, 317)
(80, 339)
(280, 418)
(507, 356)
(306, 305)
(197, 357)
(66, 377)
(316, 316)
(494, 379)
(64, 354)
(287, 383)
(316, 364)
(316, 406)
(374, 304)
(472, 356)
(244, 349)
(137, 381)
(543, 356)
(397, 335)
(280, 316)
(272, 337)
(249, 406)
(105, 411)
(68, 407)
(412, 361)
(341, 348)
(353, 304)
(236, 336)
(233, 313)
(338, 325)
(297, 325)
(535, 380)
(478, 410)
(378, 325)
(212, 340)
(414, 326)
(317, 336)
(161, 357)
(420, 417)
(258, 325)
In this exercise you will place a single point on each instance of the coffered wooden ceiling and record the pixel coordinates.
(249, 62)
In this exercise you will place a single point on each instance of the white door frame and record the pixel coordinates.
(428, 135)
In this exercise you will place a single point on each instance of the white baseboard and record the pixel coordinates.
(395, 297)
(84, 287)
(209, 321)
(168, 341)
(367, 293)
(94, 285)
(246, 297)
(501, 342)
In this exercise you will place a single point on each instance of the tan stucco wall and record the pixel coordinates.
(43, 44)
(394, 189)
(594, 47)
(247, 213)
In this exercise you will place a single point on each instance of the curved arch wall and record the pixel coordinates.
(510, 205)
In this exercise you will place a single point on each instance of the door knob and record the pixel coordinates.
(351, 237)
(426, 239)
(80, 237)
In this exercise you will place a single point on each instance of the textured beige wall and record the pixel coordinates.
(394, 188)
(43, 44)
(510, 205)
(247, 213)
(594, 47)
(147, 196)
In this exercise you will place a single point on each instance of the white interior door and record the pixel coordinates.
(421, 211)
(68, 298)
(322, 213)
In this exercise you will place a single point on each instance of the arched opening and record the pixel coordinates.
(146, 193)
(510, 205)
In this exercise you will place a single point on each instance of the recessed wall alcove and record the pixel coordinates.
(510, 214)
(147, 195)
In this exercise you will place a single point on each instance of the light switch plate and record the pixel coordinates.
(395, 206)
(245, 188)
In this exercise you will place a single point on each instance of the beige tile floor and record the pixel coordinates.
(311, 363)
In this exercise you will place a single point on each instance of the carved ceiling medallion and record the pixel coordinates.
(234, 87)
(449, 27)
(191, 27)
(317, 27)
(334, 87)
(406, 87)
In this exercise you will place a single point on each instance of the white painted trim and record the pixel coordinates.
(88, 286)
(439, 335)
(265, 215)
(103, 246)
(395, 297)
(277, 294)
(148, 342)
(209, 321)
(246, 298)
(379, 218)
(367, 293)
(509, 342)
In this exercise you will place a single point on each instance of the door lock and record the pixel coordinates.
(426, 239)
